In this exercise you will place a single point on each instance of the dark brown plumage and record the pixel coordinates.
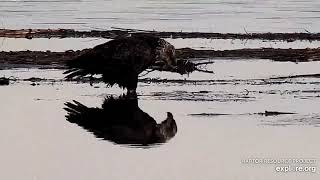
(121, 60)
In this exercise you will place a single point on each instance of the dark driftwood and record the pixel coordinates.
(63, 33)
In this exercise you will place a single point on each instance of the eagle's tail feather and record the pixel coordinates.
(79, 67)
(73, 73)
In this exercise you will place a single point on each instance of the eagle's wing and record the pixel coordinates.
(126, 54)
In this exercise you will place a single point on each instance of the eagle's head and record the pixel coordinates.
(165, 54)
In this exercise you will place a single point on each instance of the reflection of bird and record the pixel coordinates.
(121, 121)
(121, 60)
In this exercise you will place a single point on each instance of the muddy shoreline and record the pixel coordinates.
(48, 59)
(110, 34)
(258, 82)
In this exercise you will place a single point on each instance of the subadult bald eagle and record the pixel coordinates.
(121, 60)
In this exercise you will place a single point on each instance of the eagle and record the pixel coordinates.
(121, 60)
(120, 120)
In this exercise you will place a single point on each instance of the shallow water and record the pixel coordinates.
(202, 15)
(218, 121)
(59, 45)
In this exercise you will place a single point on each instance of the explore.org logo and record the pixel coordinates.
(290, 168)
(285, 165)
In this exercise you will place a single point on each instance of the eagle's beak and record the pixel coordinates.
(174, 62)
(160, 63)
(164, 65)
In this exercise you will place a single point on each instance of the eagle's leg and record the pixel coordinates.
(132, 85)
(91, 80)
(131, 92)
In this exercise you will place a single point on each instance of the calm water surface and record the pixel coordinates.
(38, 143)
(169, 15)
(58, 44)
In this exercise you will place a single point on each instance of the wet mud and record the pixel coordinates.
(64, 33)
(283, 55)
(274, 118)
(36, 58)
(281, 80)
(266, 113)
(48, 59)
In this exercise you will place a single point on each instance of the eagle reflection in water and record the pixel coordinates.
(120, 120)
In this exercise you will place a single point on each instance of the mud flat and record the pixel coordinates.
(48, 59)
(35, 58)
(292, 55)
(64, 33)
